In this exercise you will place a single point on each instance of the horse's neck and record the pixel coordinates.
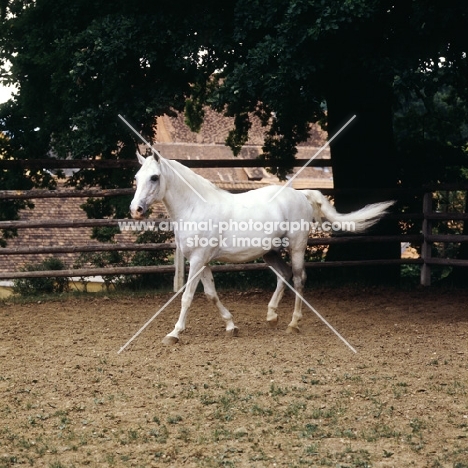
(186, 190)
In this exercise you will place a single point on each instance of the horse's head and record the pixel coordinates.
(149, 186)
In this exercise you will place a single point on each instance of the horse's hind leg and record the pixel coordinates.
(210, 292)
(299, 278)
(274, 259)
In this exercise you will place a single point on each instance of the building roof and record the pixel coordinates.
(175, 140)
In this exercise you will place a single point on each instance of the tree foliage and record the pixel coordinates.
(79, 64)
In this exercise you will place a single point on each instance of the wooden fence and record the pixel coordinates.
(425, 238)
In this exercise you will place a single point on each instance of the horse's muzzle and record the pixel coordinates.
(137, 211)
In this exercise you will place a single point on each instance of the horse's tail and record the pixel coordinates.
(356, 221)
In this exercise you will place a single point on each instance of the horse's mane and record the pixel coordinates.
(199, 183)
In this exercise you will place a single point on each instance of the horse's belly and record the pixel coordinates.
(240, 257)
(245, 249)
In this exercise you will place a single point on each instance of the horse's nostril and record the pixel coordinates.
(139, 209)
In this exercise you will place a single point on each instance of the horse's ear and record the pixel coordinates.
(152, 152)
(141, 159)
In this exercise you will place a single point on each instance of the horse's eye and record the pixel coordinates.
(154, 178)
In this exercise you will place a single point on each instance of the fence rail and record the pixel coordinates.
(133, 163)
(60, 223)
(426, 239)
(87, 248)
(30, 194)
(136, 270)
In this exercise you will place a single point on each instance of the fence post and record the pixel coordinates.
(179, 275)
(426, 246)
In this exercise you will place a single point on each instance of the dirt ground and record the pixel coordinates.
(264, 398)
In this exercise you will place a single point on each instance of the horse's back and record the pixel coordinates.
(270, 194)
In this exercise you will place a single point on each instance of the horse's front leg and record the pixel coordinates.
(212, 296)
(187, 298)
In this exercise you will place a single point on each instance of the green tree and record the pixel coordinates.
(431, 128)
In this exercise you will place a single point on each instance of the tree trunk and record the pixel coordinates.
(363, 158)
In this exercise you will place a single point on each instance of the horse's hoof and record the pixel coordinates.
(273, 323)
(292, 330)
(170, 340)
(232, 332)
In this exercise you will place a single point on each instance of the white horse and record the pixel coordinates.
(213, 224)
